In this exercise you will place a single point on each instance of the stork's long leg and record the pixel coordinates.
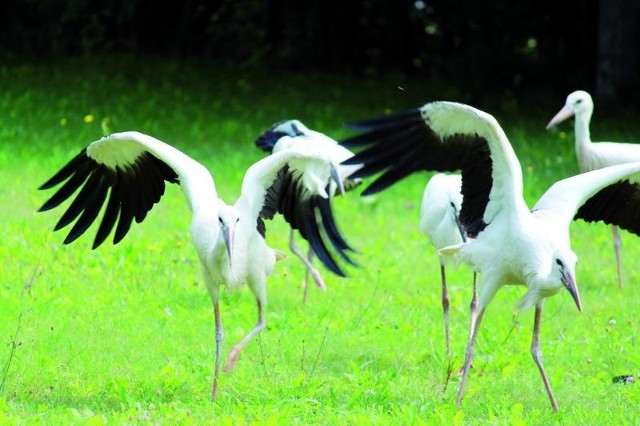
(473, 313)
(445, 305)
(617, 243)
(537, 354)
(219, 336)
(235, 352)
(474, 300)
(310, 256)
(310, 268)
(214, 294)
(473, 307)
(469, 355)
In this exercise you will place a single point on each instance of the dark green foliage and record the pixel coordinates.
(501, 46)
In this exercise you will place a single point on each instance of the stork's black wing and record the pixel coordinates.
(400, 144)
(610, 195)
(310, 214)
(617, 204)
(131, 189)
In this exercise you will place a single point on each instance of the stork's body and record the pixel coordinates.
(292, 134)
(508, 243)
(439, 222)
(595, 155)
(132, 168)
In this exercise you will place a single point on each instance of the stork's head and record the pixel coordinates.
(228, 217)
(579, 103)
(563, 270)
(549, 273)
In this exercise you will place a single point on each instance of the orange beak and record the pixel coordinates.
(562, 115)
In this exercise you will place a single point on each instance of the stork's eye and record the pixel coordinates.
(237, 220)
(578, 102)
(559, 262)
(220, 220)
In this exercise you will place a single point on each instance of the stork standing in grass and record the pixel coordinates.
(508, 243)
(293, 134)
(592, 156)
(132, 168)
(439, 222)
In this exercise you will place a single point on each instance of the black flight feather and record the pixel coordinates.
(310, 214)
(132, 191)
(397, 145)
(617, 204)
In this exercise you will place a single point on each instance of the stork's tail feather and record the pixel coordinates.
(450, 250)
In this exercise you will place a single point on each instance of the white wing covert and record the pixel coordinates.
(130, 169)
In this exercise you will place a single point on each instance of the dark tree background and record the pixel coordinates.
(528, 46)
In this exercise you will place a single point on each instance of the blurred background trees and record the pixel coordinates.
(524, 47)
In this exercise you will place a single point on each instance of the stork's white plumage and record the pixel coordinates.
(439, 222)
(593, 156)
(508, 244)
(131, 169)
(293, 134)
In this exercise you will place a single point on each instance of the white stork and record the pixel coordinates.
(508, 243)
(132, 168)
(293, 134)
(439, 222)
(592, 156)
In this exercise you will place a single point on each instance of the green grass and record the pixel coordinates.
(124, 334)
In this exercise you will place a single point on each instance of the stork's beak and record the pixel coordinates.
(569, 282)
(336, 177)
(562, 115)
(228, 234)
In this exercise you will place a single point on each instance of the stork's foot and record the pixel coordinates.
(461, 370)
(231, 361)
(318, 279)
(214, 389)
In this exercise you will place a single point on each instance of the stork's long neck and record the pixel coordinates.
(583, 138)
(205, 228)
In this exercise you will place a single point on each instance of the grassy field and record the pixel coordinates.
(124, 334)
